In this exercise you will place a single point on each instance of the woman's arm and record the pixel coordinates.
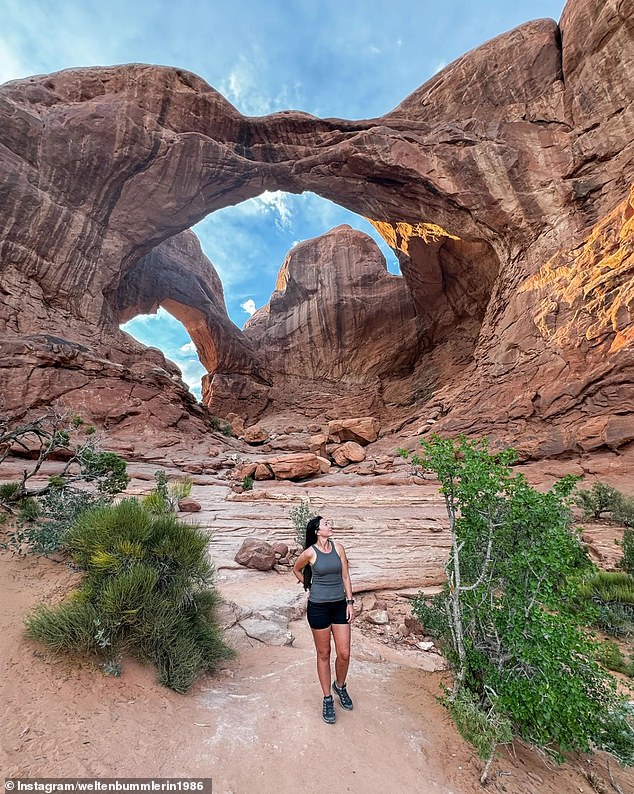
(345, 575)
(304, 559)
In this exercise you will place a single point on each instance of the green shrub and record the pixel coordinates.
(155, 503)
(609, 598)
(164, 498)
(610, 656)
(247, 483)
(221, 426)
(484, 729)
(9, 491)
(300, 515)
(627, 563)
(520, 654)
(88, 476)
(601, 498)
(146, 591)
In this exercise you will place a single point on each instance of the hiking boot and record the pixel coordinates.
(328, 712)
(344, 697)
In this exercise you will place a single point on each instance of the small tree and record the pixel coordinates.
(523, 665)
(89, 475)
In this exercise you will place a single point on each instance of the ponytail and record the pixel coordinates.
(310, 540)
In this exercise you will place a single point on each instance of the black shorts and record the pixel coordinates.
(321, 616)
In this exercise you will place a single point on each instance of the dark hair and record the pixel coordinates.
(311, 538)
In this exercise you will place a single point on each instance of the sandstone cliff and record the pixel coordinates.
(496, 170)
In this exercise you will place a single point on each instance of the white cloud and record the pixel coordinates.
(192, 371)
(440, 65)
(276, 202)
(249, 306)
(190, 347)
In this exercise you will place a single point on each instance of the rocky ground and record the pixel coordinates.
(257, 725)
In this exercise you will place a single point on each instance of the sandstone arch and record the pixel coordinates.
(520, 146)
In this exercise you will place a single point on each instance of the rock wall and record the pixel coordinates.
(503, 162)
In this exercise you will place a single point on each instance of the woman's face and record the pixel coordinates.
(325, 528)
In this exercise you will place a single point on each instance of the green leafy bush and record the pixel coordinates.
(628, 551)
(146, 591)
(506, 617)
(610, 656)
(89, 476)
(601, 498)
(221, 426)
(247, 483)
(164, 498)
(300, 515)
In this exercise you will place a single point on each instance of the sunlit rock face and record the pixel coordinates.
(512, 155)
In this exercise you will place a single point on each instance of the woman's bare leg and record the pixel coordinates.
(322, 646)
(341, 633)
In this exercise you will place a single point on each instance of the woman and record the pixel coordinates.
(323, 568)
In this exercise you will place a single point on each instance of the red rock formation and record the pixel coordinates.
(337, 325)
(505, 158)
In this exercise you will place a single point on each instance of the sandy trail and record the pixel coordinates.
(256, 727)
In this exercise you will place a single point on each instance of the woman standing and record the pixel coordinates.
(323, 569)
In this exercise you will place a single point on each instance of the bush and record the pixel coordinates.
(300, 515)
(89, 476)
(627, 563)
(611, 657)
(601, 498)
(519, 652)
(247, 483)
(146, 591)
(610, 597)
(221, 426)
(164, 498)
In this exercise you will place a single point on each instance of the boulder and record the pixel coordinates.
(188, 505)
(324, 464)
(318, 444)
(296, 466)
(350, 452)
(363, 431)
(255, 435)
(236, 422)
(263, 472)
(256, 554)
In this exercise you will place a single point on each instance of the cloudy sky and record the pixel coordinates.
(342, 58)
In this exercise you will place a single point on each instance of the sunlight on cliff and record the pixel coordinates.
(398, 235)
(595, 281)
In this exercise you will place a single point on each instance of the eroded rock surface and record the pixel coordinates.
(500, 164)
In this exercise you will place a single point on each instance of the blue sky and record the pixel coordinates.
(343, 58)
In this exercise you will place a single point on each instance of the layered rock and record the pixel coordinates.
(337, 325)
(501, 163)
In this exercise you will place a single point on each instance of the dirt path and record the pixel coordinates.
(254, 728)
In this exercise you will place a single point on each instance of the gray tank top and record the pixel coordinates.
(327, 583)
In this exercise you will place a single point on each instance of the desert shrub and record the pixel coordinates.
(164, 498)
(247, 483)
(519, 651)
(484, 729)
(146, 591)
(624, 512)
(611, 598)
(221, 426)
(300, 515)
(89, 476)
(601, 498)
(610, 656)
(155, 503)
(627, 563)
